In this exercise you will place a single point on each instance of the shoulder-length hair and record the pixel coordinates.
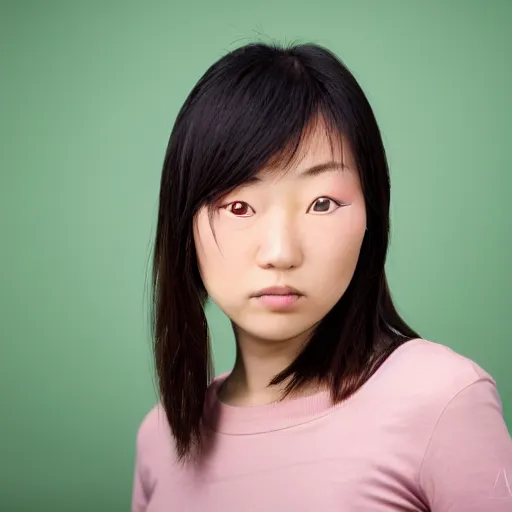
(252, 106)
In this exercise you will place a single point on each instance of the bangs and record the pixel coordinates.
(252, 112)
(284, 159)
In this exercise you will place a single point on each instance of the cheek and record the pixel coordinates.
(226, 254)
(219, 261)
(333, 250)
(203, 242)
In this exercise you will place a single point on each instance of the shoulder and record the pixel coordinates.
(434, 373)
(422, 359)
(429, 393)
(153, 433)
(460, 428)
(153, 422)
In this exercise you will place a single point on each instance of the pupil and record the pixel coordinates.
(239, 208)
(323, 205)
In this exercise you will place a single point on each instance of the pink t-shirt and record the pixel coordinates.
(425, 433)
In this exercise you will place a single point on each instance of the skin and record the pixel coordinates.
(290, 228)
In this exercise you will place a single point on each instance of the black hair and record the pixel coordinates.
(255, 105)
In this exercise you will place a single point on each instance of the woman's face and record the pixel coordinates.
(300, 228)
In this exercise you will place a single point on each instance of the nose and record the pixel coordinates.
(279, 245)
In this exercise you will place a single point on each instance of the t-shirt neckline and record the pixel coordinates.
(259, 419)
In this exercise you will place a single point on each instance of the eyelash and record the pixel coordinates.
(226, 206)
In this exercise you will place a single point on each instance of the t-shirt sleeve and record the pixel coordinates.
(140, 497)
(467, 466)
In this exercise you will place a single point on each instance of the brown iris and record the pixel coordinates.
(239, 208)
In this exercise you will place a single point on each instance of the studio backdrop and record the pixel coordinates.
(89, 94)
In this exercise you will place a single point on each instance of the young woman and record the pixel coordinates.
(274, 203)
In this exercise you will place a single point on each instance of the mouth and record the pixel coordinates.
(278, 291)
(278, 297)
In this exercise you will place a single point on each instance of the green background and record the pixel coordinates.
(89, 94)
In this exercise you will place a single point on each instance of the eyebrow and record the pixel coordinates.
(311, 171)
(324, 167)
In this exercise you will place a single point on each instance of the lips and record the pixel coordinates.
(278, 290)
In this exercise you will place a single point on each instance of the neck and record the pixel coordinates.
(257, 362)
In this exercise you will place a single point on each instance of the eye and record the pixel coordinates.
(239, 209)
(324, 205)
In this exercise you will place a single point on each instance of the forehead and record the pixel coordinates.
(317, 145)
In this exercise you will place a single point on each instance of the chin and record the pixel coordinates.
(278, 329)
